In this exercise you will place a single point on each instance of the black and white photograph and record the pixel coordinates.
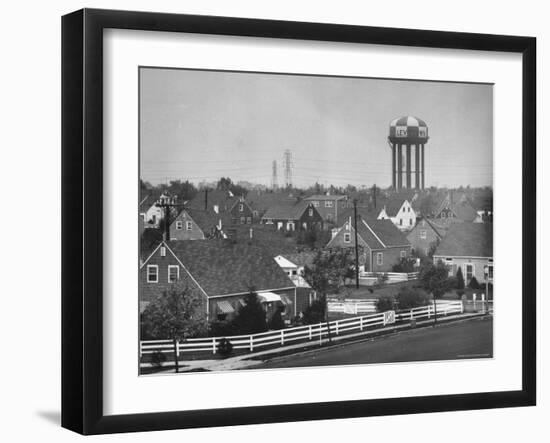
(291, 221)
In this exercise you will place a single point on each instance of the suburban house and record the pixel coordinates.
(425, 235)
(455, 209)
(293, 264)
(400, 212)
(242, 213)
(196, 224)
(261, 201)
(470, 247)
(213, 200)
(328, 206)
(150, 212)
(222, 273)
(382, 244)
(293, 216)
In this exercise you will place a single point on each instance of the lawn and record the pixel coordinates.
(370, 292)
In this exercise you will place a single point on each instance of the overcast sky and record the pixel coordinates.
(201, 125)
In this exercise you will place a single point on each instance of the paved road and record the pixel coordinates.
(466, 339)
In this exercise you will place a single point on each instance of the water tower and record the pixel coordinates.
(406, 132)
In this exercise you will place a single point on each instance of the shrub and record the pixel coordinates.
(459, 293)
(276, 322)
(474, 284)
(404, 265)
(251, 317)
(385, 303)
(315, 313)
(409, 298)
(157, 359)
(225, 347)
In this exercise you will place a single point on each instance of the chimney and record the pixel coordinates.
(251, 233)
(206, 199)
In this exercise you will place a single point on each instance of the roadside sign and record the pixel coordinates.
(389, 317)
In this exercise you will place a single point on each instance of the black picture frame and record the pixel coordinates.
(82, 230)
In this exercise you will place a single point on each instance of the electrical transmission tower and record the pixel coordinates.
(287, 165)
(274, 182)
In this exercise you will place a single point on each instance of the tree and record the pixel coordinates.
(459, 279)
(474, 284)
(251, 316)
(175, 314)
(435, 279)
(329, 272)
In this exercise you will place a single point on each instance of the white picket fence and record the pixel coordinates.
(301, 333)
(352, 306)
(371, 278)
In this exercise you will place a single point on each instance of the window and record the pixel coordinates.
(241, 207)
(152, 273)
(268, 221)
(188, 226)
(403, 254)
(443, 215)
(249, 220)
(328, 204)
(347, 237)
(290, 226)
(163, 251)
(243, 220)
(179, 225)
(294, 272)
(316, 203)
(310, 212)
(410, 221)
(423, 233)
(379, 258)
(400, 222)
(173, 273)
(490, 272)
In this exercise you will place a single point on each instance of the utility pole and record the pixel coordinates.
(374, 195)
(166, 203)
(356, 245)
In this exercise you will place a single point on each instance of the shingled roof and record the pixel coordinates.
(286, 210)
(393, 205)
(467, 240)
(222, 267)
(381, 234)
(223, 199)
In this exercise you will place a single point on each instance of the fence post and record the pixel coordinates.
(461, 307)
(177, 348)
(412, 316)
(282, 337)
(140, 349)
(251, 343)
(336, 327)
(213, 345)
(383, 319)
(310, 332)
(429, 311)
(360, 323)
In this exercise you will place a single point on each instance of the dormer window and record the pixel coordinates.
(189, 226)
(347, 237)
(179, 225)
(241, 207)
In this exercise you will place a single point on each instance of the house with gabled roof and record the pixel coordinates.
(425, 235)
(150, 212)
(400, 212)
(222, 273)
(294, 264)
(382, 245)
(197, 224)
(328, 205)
(291, 216)
(261, 201)
(242, 213)
(455, 208)
(468, 246)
